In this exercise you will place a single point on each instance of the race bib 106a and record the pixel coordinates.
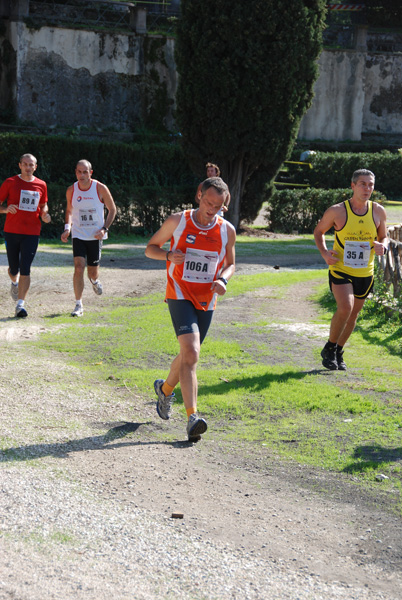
(200, 266)
(356, 254)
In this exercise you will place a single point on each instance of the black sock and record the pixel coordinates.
(339, 349)
(330, 345)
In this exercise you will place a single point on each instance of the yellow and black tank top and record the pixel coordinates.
(354, 243)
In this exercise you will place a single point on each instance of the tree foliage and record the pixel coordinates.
(247, 71)
(384, 13)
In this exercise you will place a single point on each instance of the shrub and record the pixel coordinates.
(334, 170)
(300, 210)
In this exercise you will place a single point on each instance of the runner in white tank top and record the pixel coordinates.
(88, 212)
(86, 202)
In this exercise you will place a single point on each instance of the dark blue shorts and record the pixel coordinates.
(21, 250)
(89, 249)
(188, 319)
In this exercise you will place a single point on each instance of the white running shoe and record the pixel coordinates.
(14, 291)
(97, 287)
(78, 311)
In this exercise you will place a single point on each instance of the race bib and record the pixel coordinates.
(88, 217)
(356, 254)
(29, 200)
(200, 266)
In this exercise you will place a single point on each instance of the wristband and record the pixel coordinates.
(105, 229)
(167, 255)
(225, 281)
(385, 251)
(67, 227)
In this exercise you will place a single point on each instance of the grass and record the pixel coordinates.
(351, 425)
(348, 423)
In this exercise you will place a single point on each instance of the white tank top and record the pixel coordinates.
(88, 212)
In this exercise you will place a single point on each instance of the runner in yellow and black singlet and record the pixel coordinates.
(360, 234)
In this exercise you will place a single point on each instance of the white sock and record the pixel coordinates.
(20, 302)
(14, 283)
(78, 302)
(92, 281)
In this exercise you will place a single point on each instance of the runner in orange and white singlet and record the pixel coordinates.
(200, 262)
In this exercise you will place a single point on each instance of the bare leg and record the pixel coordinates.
(344, 320)
(78, 278)
(93, 272)
(344, 302)
(174, 374)
(187, 362)
(351, 322)
(23, 286)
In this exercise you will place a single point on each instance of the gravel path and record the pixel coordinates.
(89, 482)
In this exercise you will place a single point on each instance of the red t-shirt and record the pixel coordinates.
(27, 196)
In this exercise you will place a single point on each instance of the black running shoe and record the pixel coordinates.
(339, 359)
(329, 358)
(195, 427)
(20, 312)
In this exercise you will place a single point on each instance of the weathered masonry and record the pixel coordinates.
(115, 77)
(70, 76)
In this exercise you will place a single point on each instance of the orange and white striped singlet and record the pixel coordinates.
(205, 250)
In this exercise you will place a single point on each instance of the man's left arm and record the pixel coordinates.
(381, 245)
(108, 201)
(218, 285)
(44, 209)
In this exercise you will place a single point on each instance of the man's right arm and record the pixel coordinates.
(68, 214)
(164, 234)
(324, 225)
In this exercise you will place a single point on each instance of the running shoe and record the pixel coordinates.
(97, 287)
(195, 427)
(164, 404)
(14, 291)
(20, 312)
(329, 358)
(78, 311)
(339, 359)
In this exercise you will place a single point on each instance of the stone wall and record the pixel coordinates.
(57, 77)
(356, 93)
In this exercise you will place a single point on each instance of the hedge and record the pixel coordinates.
(300, 210)
(334, 170)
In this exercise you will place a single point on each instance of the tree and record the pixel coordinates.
(246, 73)
(384, 13)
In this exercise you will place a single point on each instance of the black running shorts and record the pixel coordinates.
(89, 249)
(188, 319)
(362, 286)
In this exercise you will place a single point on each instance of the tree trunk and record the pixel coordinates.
(235, 174)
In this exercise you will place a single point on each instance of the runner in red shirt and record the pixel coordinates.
(199, 263)
(26, 197)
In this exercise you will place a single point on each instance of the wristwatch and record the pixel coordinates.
(225, 281)
(105, 229)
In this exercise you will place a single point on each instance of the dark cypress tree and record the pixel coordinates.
(247, 69)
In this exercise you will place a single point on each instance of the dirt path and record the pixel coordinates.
(312, 534)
